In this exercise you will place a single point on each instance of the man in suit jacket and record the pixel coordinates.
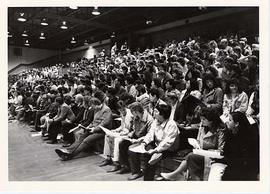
(93, 132)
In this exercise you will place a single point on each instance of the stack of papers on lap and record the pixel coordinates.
(138, 149)
(207, 153)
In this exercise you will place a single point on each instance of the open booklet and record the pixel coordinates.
(138, 148)
(208, 153)
(194, 143)
(115, 134)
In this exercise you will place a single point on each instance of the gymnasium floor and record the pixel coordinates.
(31, 159)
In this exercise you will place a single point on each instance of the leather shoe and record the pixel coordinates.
(66, 145)
(105, 162)
(63, 155)
(51, 142)
(123, 170)
(135, 176)
(114, 169)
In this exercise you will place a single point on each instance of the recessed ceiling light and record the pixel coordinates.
(44, 22)
(73, 41)
(113, 35)
(42, 37)
(24, 33)
(73, 7)
(149, 22)
(10, 35)
(64, 25)
(26, 43)
(95, 11)
(21, 18)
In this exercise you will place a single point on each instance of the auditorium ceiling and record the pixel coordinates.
(83, 27)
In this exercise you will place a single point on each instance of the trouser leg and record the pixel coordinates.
(68, 137)
(88, 141)
(108, 146)
(134, 161)
(123, 152)
(116, 151)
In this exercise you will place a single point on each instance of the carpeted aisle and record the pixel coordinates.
(31, 159)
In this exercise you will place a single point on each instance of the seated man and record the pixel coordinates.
(160, 140)
(93, 132)
(111, 143)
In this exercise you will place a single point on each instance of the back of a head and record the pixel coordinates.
(136, 106)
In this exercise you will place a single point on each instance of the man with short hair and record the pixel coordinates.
(160, 141)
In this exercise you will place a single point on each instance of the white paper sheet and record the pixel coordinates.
(207, 153)
(138, 149)
(193, 142)
(251, 120)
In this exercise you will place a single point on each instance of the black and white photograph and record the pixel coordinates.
(134, 93)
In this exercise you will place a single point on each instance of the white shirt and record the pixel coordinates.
(163, 134)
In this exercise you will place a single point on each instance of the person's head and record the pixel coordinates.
(68, 99)
(170, 84)
(209, 118)
(136, 109)
(233, 86)
(162, 112)
(86, 102)
(88, 90)
(141, 89)
(172, 98)
(156, 82)
(181, 84)
(209, 82)
(121, 107)
(154, 95)
(237, 122)
(79, 99)
(100, 95)
(59, 100)
(95, 103)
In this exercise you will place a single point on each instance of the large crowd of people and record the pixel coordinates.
(149, 98)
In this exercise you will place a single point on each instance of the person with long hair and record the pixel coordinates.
(211, 136)
(241, 150)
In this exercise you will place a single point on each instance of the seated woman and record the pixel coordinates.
(160, 140)
(235, 99)
(210, 137)
(241, 151)
(212, 95)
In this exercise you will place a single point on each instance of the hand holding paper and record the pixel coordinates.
(194, 143)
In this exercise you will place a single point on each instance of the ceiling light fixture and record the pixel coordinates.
(21, 18)
(10, 35)
(24, 33)
(42, 37)
(64, 25)
(85, 42)
(113, 35)
(44, 22)
(95, 11)
(73, 7)
(26, 43)
(149, 22)
(73, 41)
